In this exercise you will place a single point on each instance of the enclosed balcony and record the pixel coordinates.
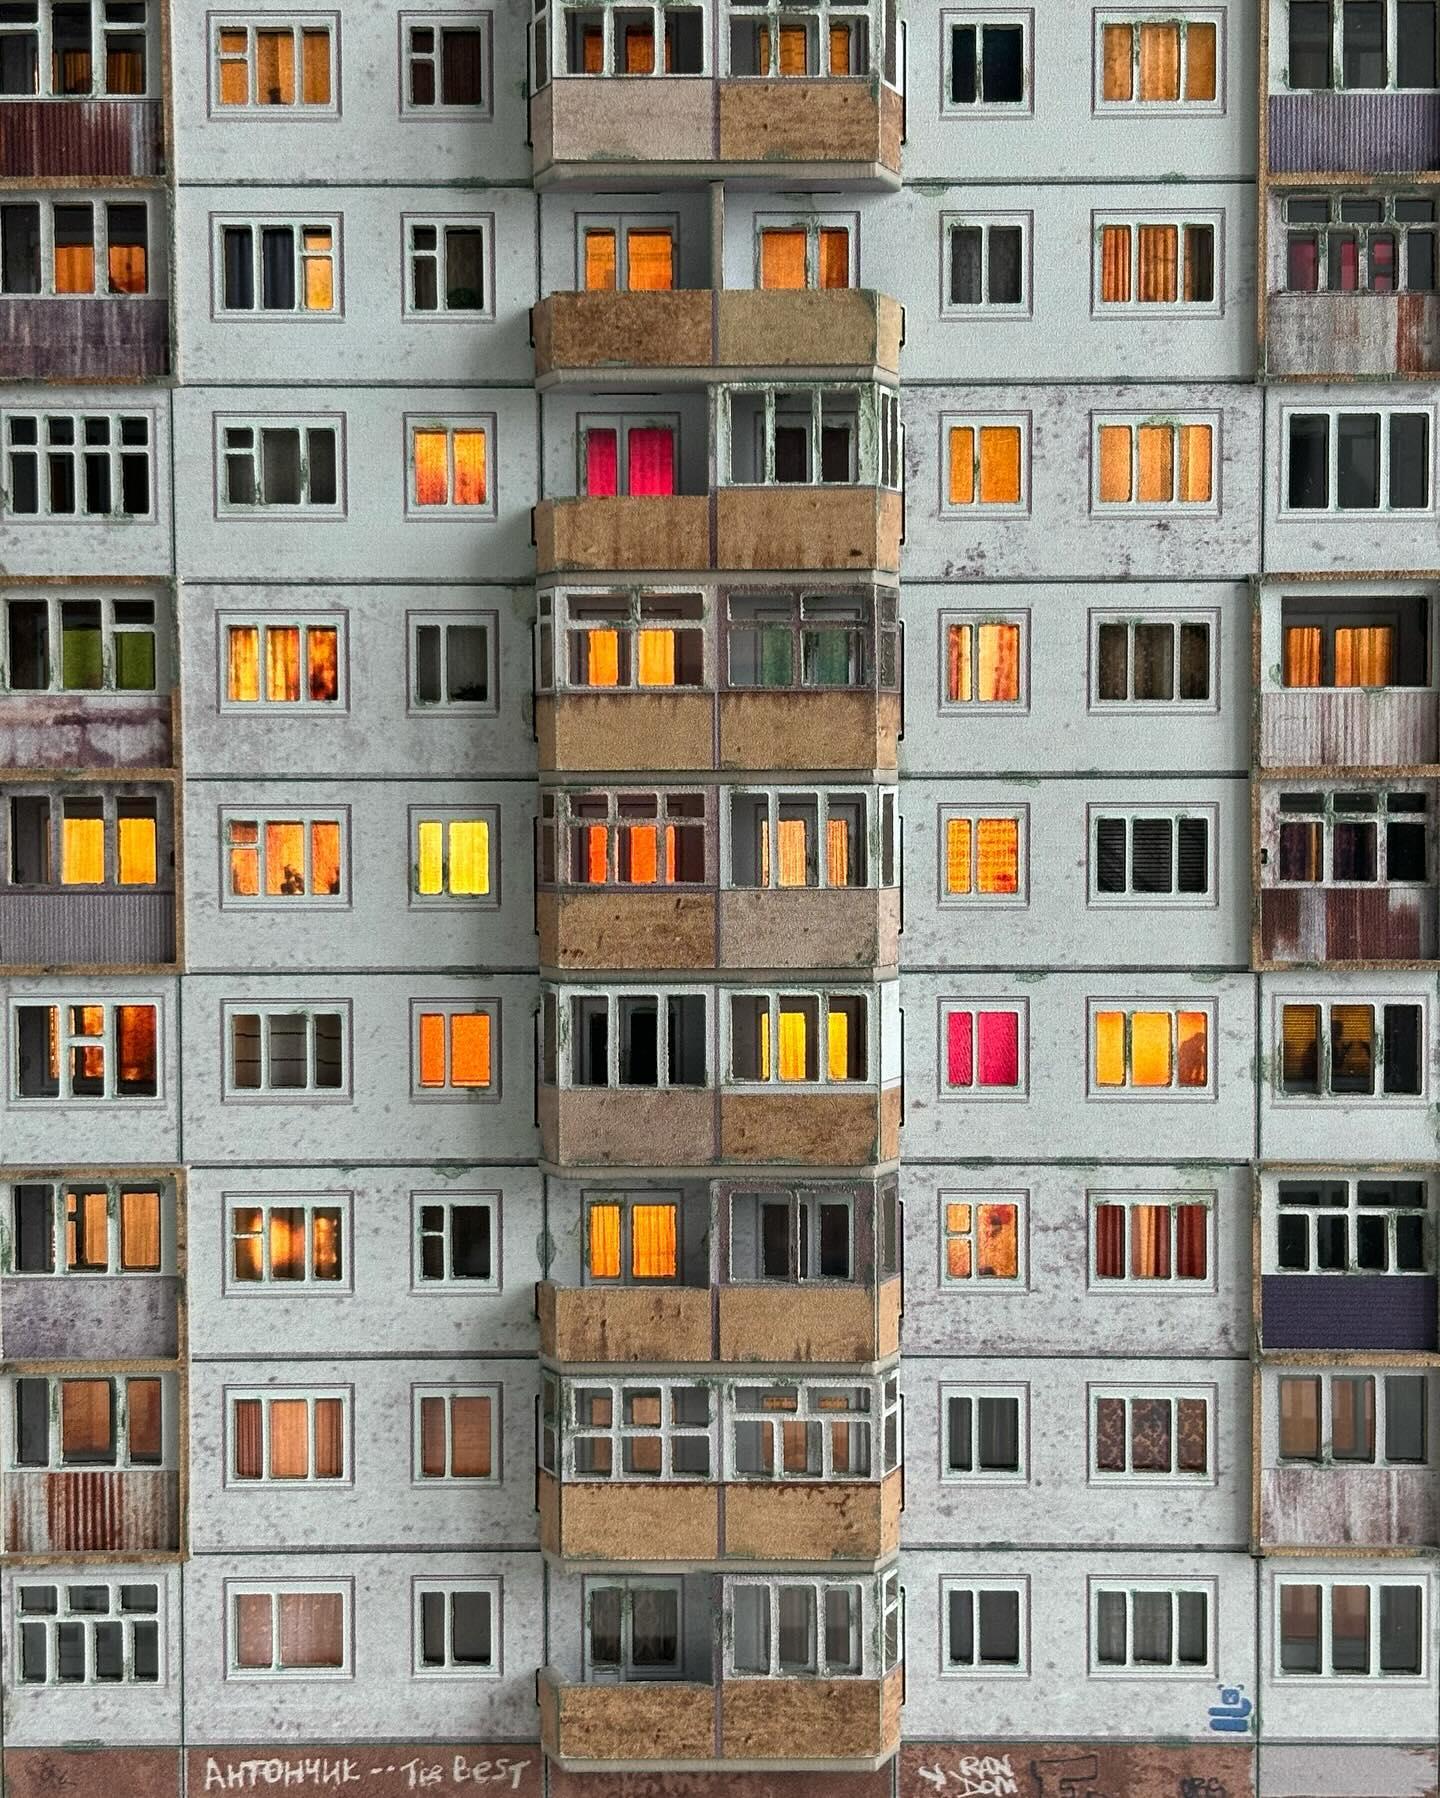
(1353, 87)
(76, 84)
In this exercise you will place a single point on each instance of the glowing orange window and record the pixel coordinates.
(455, 1051)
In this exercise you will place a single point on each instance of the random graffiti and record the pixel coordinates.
(973, 1776)
(1074, 1775)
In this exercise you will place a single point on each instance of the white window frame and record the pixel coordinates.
(823, 998)
(99, 200)
(444, 816)
(310, 1093)
(57, 799)
(107, 1041)
(622, 224)
(812, 224)
(879, 1420)
(983, 708)
(980, 1668)
(975, 1092)
(1361, 231)
(489, 622)
(450, 1009)
(617, 1432)
(481, 424)
(128, 1620)
(122, 1461)
(42, 29)
(1171, 1285)
(256, 223)
(78, 452)
(1133, 1669)
(1324, 1093)
(627, 1672)
(1175, 815)
(304, 623)
(565, 1057)
(474, 20)
(798, 1201)
(1128, 1092)
(265, 1397)
(1179, 307)
(558, 630)
(1337, 58)
(991, 311)
(1129, 1396)
(443, 223)
(422, 1587)
(862, 1625)
(1174, 620)
(978, 17)
(1351, 1212)
(975, 900)
(305, 817)
(249, 23)
(275, 1590)
(1332, 415)
(1330, 816)
(971, 1392)
(1378, 1376)
(1325, 1582)
(115, 1188)
(448, 1282)
(303, 424)
(111, 628)
(1135, 507)
(774, 798)
(1145, 109)
(978, 511)
(975, 1283)
(264, 1203)
(447, 1395)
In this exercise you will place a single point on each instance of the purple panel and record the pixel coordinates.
(1361, 132)
(1348, 1311)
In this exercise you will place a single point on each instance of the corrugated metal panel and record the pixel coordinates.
(1349, 727)
(1348, 1311)
(78, 1512)
(99, 138)
(51, 338)
(1338, 132)
(1361, 334)
(1332, 1507)
(85, 730)
(86, 928)
(1346, 924)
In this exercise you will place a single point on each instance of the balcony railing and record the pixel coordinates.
(45, 337)
(1363, 335)
(1349, 1311)
(96, 140)
(86, 730)
(52, 928)
(1349, 727)
(91, 1510)
(1373, 133)
(1348, 1507)
(84, 1317)
(1323, 924)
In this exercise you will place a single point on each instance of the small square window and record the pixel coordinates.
(457, 1241)
(445, 63)
(987, 464)
(454, 856)
(453, 661)
(984, 661)
(984, 1049)
(983, 856)
(456, 1049)
(987, 62)
(983, 1240)
(450, 468)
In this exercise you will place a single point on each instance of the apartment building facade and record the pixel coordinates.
(719, 911)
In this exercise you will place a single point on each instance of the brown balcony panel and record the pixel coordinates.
(621, 1323)
(789, 119)
(623, 330)
(809, 730)
(1315, 924)
(100, 139)
(1370, 335)
(599, 1127)
(85, 730)
(655, 531)
(91, 1511)
(810, 927)
(809, 1323)
(805, 527)
(829, 1129)
(624, 732)
(616, 927)
(130, 1317)
(601, 1520)
(1377, 133)
(832, 328)
(657, 119)
(810, 1719)
(1348, 727)
(670, 1720)
(87, 929)
(45, 338)
(1347, 1507)
(841, 1520)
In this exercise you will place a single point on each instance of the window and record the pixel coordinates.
(630, 1039)
(446, 64)
(66, 645)
(806, 1431)
(1159, 61)
(270, 858)
(984, 661)
(1140, 1239)
(294, 662)
(632, 253)
(89, 1227)
(647, 1429)
(74, 246)
(281, 467)
(1348, 1419)
(69, 465)
(292, 1629)
(983, 855)
(622, 839)
(986, 1433)
(102, 1633)
(815, 38)
(452, 660)
(618, 37)
(86, 1421)
(814, 253)
(54, 49)
(273, 1049)
(451, 856)
(1151, 1049)
(627, 456)
(633, 1629)
(982, 1240)
(631, 1238)
(808, 435)
(987, 265)
(454, 1046)
(625, 640)
(1354, 642)
(985, 1050)
(447, 264)
(1149, 1626)
(1376, 461)
(456, 1433)
(1151, 1435)
(288, 1241)
(450, 468)
(788, 1627)
(106, 1049)
(1349, 838)
(1153, 660)
(797, 1024)
(1350, 1628)
(457, 1627)
(1361, 44)
(100, 840)
(1146, 856)
(278, 265)
(987, 463)
(791, 1236)
(985, 1626)
(1156, 262)
(457, 1240)
(1352, 1050)
(1359, 243)
(291, 1436)
(786, 838)
(811, 640)
(1155, 465)
(987, 60)
(275, 64)
(1363, 1226)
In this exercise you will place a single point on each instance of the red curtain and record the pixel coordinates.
(999, 1048)
(651, 466)
(960, 1064)
(1110, 1242)
(602, 464)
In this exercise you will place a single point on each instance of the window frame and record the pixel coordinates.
(1329, 816)
(1385, 414)
(123, 1459)
(977, 510)
(115, 1187)
(1337, 83)
(1128, 1091)
(824, 1080)
(43, 29)
(1131, 1669)
(863, 1631)
(1159, 310)
(229, 816)
(946, 897)
(975, 1282)
(489, 622)
(55, 798)
(108, 1041)
(480, 21)
(1378, 1377)
(111, 629)
(991, 311)
(978, 17)
(1363, 232)
(560, 828)
(1277, 1210)
(249, 23)
(1019, 1586)
(310, 1093)
(275, 1590)
(450, 1009)
(267, 1479)
(662, 992)
(622, 224)
(1171, 1285)
(231, 1285)
(976, 1092)
(824, 794)
(665, 1433)
(302, 622)
(626, 1671)
(1136, 17)
(975, 621)
(1325, 1583)
(423, 1586)
(972, 1392)
(1176, 620)
(812, 224)
(228, 511)
(444, 816)
(1129, 900)
(1324, 1092)
(97, 199)
(451, 424)
(127, 1619)
(451, 1283)
(444, 222)
(447, 1393)
(256, 223)
(78, 452)
(1175, 508)
(1130, 1396)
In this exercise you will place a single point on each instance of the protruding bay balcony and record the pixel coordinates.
(75, 87)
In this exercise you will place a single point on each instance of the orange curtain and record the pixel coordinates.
(470, 1437)
(1119, 79)
(432, 469)
(322, 644)
(962, 465)
(1160, 61)
(957, 855)
(652, 1242)
(1159, 258)
(604, 1242)
(1115, 471)
(1302, 666)
(599, 261)
(248, 1461)
(997, 854)
(999, 670)
(1199, 61)
(649, 261)
(834, 257)
(602, 660)
(1115, 262)
(782, 259)
(999, 465)
(1364, 655)
(1196, 473)
(282, 663)
(139, 1230)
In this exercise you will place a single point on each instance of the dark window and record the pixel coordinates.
(1415, 44)
(1309, 482)
(1309, 59)
(1363, 53)
(987, 65)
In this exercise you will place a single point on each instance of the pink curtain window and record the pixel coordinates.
(959, 1049)
(651, 467)
(602, 464)
(999, 1048)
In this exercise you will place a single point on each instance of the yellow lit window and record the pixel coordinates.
(455, 1051)
(449, 467)
(635, 1241)
(292, 664)
(650, 261)
(982, 663)
(982, 1241)
(1159, 60)
(984, 465)
(1150, 1049)
(258, 67)
(982, 857)
(317, 256)
(453, 857)
(600, 261)
(1155, 464)
(136, 843)
(82, 843)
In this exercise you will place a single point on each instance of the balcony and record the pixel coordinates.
(598, 1127)
(1349, 727)
(579, 336)
(599, 1324)
(94, 140)
(1341, 335)
(1317, 924)
(91, 1511)
(1348, 1507)
(83, 1318)
(810, 1129)
(1348, 1311)
(819, 1323)
(87, 929)
(1334, 133)
(54, 338)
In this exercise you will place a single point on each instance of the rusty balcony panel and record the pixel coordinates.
(617, 1521)
(623, 330)
(87, 929)
(789, 119)
(597, 1324)
(816, 1323)
(852, 1720)
(670, 1721)
(810, 927)
(625, 732)
(669, 531)
(811, 730)
(599, 1127)
(836, 1520)
(816, 1129)
(92, 1511)
(805, 527)
(72, 1317)
(87, 338)
(1316, 924)
(1370, 133)
(100, 140)
(1374, 336)
(1349, 727)
(86, 730)
(1348, 1507)
(627, 927)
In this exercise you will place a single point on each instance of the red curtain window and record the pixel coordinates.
(650, 461)
(602, 464)
(982, 1049)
